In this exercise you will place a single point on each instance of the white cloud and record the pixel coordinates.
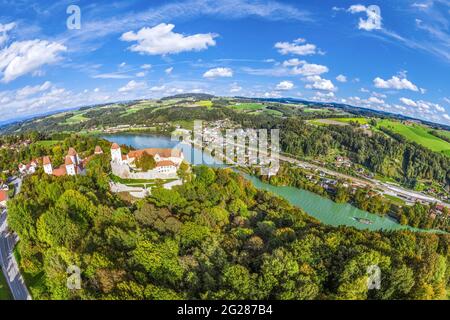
(111, 76)
(123, 64)
(421, 6)
(23, 57)
(408, 102)
(141, 74)
(31, 90)
(272, 94)
(375, 100)
(235, 88)
(318, 83)
(284, 86)
(357, 8)
(446, 116)
(158, 88)
(218, 72)
(341, 78)
(4, 29)
(168, 70)
(307, 69)
(161, 40)
(396, 83)
(146, 66)
(298, 47)
(293, 62)
(373, 20)
(132, 86)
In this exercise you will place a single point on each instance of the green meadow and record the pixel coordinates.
(76, 119)
(444, 133)
(348, 120)
(418, 134)
(248, 106)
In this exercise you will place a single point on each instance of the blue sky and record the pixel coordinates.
(385, 55)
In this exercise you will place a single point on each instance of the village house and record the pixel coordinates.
(3, 198)
(167, 160)
(29, 168)
(73, 164)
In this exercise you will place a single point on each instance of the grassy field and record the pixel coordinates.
(314, 110)
(327, 122)
(47, 143)
(76, 119)
(205, 103)
(137, 107)
(418, 134)
(339, 121)
(444, 133)
(348, 120)
(248, 106)
(5, 294)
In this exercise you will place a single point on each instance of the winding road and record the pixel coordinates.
(8, 262)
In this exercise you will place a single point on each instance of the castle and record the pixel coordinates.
(167, 160)
(73, 164)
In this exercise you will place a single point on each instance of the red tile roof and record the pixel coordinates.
(61, 171)
(3, 195)
(165, 163)
(98, 149)
(115, 146)
(165, 153)
(46, 160)
(71, 152)
(68, 160)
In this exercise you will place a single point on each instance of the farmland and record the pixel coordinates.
(418, 134)
(77, 119)
(248, 106)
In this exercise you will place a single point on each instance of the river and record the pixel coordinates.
(321, 208)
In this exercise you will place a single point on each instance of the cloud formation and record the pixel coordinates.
(373, 12)
(218, 73)
(284, 86)
(161, 40)
(23, 57)
(297, 47)
(396, 83)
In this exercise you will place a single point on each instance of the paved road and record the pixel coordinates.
(8, 262)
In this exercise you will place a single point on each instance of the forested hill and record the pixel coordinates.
(215, 237)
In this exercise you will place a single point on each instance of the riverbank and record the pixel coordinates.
(321, 208)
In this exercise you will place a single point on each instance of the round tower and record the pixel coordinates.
(116, 153)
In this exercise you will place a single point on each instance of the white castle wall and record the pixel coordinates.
(123, 171)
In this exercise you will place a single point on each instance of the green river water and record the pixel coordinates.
(321, 208)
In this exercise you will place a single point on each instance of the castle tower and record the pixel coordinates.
(48, 169)
(73, 156)
(98, 150)
(70, 167)
(116, 153)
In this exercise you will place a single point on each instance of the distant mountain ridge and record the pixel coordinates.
(204, 96)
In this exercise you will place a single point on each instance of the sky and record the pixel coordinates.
(385, 55)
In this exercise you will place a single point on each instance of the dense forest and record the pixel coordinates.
(391, 156)
(215, 237)
(15, 153)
